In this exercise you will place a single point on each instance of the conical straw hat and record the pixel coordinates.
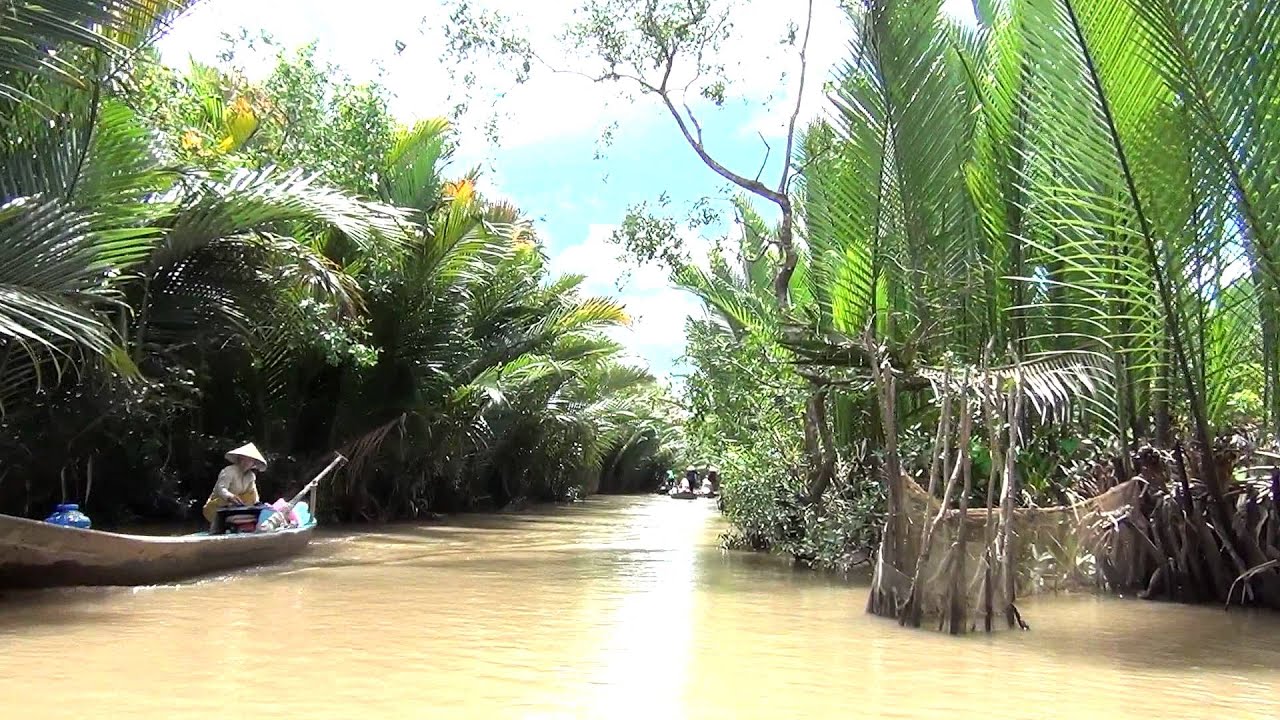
(248, 450)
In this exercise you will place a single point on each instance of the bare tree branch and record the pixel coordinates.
(768, 150)
(697, 127)
(795, 114)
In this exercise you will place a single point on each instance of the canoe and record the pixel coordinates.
(36, 554)
(686, 495)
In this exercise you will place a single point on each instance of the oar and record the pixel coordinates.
(277, 518)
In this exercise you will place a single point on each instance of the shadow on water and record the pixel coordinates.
(26, 608)
(1110, 632)
(22, 609)
(1130, 632)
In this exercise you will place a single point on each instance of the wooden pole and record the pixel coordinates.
(959, 607)
(1006, 549)
(277, 518)
(311, 486)
(993, 418)
(914, 611)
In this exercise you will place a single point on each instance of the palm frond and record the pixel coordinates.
(33, 32)
(104, 163)
(411, 175)
(1054, 384)
(591, 313)
(728, 297)
(251, 200)
(52, 270)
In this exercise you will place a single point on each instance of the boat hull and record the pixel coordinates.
(36, 554)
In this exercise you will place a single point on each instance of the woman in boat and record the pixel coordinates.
(238, 482)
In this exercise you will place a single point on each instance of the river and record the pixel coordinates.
(611, 608)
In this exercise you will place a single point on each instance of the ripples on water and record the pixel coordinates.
(614, 608)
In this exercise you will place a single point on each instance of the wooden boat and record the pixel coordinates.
(35, 554)
(691, 494)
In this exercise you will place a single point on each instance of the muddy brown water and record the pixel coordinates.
(612, 608)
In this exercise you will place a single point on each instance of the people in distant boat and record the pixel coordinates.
(690, 480)
(238, 482)
(713, 479)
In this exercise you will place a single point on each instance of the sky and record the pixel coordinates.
(549, 159)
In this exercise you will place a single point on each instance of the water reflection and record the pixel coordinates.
(649, 630)
(615, 608)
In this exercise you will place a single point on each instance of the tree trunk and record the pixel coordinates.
(1160, 399)
(913, 613)
(1006, 551)
(811, 451)
(889, 584)
(819, 444)
(958, 612)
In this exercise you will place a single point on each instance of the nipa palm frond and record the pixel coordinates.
(411, 174)
(33, 32)
(728, 298)
(105, 163)
(1054, 384)
(51, 271)
(256, 200)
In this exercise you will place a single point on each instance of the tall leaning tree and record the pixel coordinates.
(672, 52)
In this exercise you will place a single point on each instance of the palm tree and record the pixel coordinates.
(419, 328)
(959, 198)
(1077, 187)
(474, 388)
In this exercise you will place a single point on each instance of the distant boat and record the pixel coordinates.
(35, 554)
(691, 494)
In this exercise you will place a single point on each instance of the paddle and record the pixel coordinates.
(278, 517)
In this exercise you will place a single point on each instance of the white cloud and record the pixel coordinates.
(658, 311)
(828, 45)
(361, 39)
(961, 10)
(360, 36)
(828, 49)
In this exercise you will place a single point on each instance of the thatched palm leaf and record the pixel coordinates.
(1054, 385)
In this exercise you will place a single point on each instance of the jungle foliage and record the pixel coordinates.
(191, 260)
(1073, 201)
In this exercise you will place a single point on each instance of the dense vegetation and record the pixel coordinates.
(1083, 191)
(1067, 207)
(192, 260)
(1032, 250)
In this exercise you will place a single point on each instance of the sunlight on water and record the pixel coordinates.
(614, 608)
(650, 632)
